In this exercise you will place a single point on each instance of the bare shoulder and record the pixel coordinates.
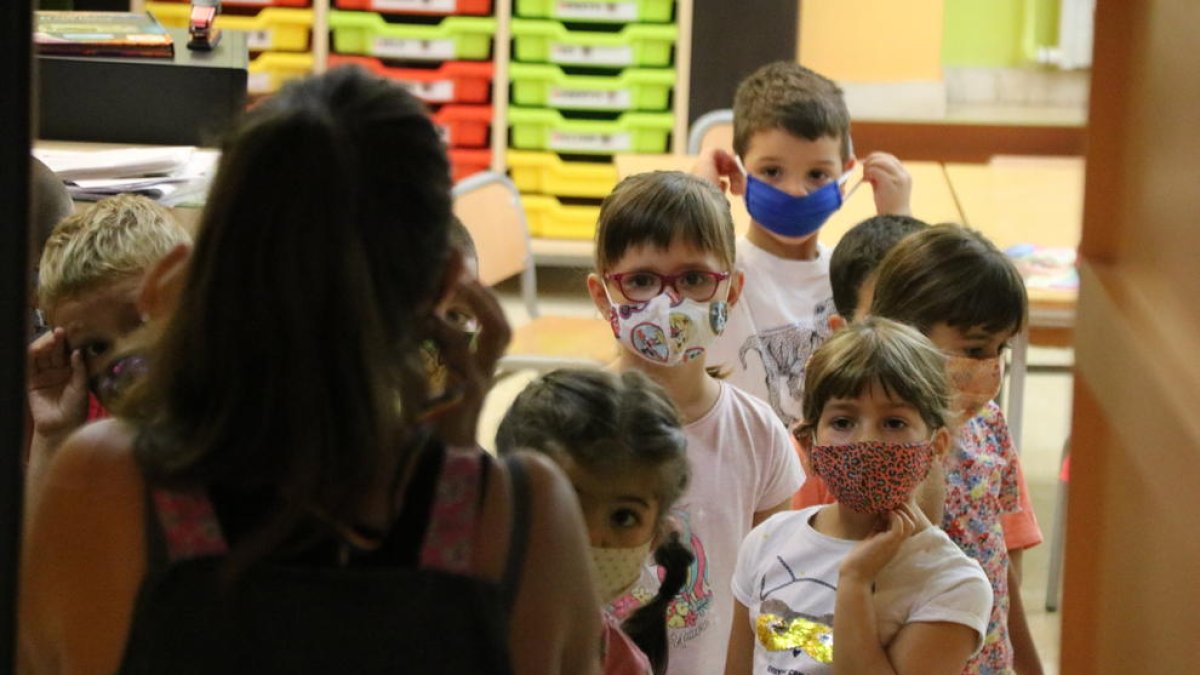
(95, 461)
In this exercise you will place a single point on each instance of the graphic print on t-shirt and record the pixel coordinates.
(800, 635)
(784, 352)
(687, 615)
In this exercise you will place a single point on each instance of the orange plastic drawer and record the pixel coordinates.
(463, 163)
(464, 126)
(452, 82)
(439, 7)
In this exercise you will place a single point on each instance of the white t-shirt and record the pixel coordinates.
(780, 320)
(787, 575)
(742, 462)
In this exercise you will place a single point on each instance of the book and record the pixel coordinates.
(1045, 267)
(102, 34)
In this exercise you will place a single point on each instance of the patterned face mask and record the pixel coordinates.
(617, 569)
(975, 382)
(872, 476)
(668, 333)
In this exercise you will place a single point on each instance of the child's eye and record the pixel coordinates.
(819, 177)
(93, 350)
(640, 280)
(895, 424)
(624, 518)
(841, 423)
(771, 172)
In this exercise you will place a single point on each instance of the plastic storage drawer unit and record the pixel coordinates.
(452, 82)
(439, 7)
(455, 37)
(646, 11)
(463, 163)
(464, 126)
(255, 3)
(269, 70)
(552, 220)
(545, 85)
(634, 45)
(274, 28)
(538, 129)
(544, 172)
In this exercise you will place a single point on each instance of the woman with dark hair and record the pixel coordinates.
(280, 497)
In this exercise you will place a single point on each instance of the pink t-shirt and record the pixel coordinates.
(621, 656)
(742, 463)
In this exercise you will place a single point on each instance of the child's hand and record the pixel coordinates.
(470, 361)
(721, 169)
(891, 183)
(871, 555)
(57, 380)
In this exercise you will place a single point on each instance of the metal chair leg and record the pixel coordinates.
(1059, 535)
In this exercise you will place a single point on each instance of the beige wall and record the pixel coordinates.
(872, 40)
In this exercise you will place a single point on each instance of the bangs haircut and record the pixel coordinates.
(660, 208)
(786, 95)
(902, 361)
(952, 274)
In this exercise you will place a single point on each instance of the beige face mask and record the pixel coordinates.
(618, 569)
(975, 382)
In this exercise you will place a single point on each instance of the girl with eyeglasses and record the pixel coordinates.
(665, 278)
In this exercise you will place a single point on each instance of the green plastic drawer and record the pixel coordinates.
(634, 45)
(551, 220)
(539, 129)
(540, 84)
(455, 37)
(546, 173)
(647, 11)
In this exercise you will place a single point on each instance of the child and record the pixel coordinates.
(89, 278)
(852, 276)
(791, 130)
(866, 583)
(665, 277)
(620, 441)
(952, 284)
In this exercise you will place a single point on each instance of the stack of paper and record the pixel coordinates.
(171, 175)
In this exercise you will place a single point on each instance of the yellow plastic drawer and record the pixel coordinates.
(550, 219)
(544, 172)
(269, 70)
(274, 28)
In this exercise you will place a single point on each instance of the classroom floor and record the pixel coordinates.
(1047, 422)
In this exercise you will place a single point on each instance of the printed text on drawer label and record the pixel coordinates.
(417, 5)
(611, 11)
(404, 48)
(440, 91)
(599, 56)
(590, 98)
(257, 40)
(564, 140)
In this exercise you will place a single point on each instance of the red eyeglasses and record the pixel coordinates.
(698, 285)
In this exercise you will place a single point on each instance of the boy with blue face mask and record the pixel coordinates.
(792, 141)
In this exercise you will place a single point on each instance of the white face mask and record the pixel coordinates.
(618, 569)
(668, 334)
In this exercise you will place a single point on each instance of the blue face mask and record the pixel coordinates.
(790, 216)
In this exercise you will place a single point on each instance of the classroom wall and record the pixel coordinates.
(872, 40)
(997, 33)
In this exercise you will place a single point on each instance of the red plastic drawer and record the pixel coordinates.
(464, 126)
(452, 82)
(436, 7)
(463, 163)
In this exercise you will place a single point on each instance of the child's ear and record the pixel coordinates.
(836, 322)
(736, 283)
(942, 442)
(595, 287)
(163, 283)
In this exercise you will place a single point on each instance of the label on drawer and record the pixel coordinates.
(441, 91)
(594, 99)
(565, 140)
(592, 56)
(257, 40)
(417, 5)
(444, 132)
(604, 11)
(258, 83)
(405, 48)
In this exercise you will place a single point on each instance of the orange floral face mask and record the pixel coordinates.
(974, 383)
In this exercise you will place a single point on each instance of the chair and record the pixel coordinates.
(713, 129)
(489, 205)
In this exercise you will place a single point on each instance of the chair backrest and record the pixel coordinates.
(713, 129)
(489, 205)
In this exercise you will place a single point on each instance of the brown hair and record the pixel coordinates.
(114, 239)
(952, 274)
(659, 208)
(859, 252)
(786, 95)
(877, 351)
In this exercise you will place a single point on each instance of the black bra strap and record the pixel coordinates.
(519, 539)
